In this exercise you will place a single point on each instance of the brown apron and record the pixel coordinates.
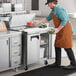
(64, 36)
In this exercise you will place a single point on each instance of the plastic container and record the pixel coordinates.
(42, 52)
(42, 41)
(44, 25)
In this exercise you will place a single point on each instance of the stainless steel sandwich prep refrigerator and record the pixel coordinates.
(31, 38)
(31, 46)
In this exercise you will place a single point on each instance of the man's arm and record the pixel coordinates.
(40, 21)
(44, 20)
(62, 15)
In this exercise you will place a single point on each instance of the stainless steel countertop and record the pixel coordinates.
(9, 33)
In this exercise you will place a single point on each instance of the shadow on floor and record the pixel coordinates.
(48, 71)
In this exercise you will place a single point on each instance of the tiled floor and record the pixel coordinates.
(65, 61)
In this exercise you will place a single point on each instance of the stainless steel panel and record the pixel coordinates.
(16, 41)
(16, 51)
(33, 48)
(16, 61)
(4, 53)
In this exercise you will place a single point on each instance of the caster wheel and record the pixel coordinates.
(45, 62)
(26, 68)
(15, 69)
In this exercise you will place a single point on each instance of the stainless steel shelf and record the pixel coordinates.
(43, 44)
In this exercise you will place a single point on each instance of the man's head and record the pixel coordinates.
(51, 3)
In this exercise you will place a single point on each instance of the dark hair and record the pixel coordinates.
(55, 1)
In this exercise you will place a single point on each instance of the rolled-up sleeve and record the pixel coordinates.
(62, 14)
(49, 17)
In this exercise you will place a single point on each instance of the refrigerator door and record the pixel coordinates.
(4, 54)
(33, 49)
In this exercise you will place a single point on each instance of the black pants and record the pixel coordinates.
(69, 53)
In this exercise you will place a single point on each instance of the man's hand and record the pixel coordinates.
(56, 30)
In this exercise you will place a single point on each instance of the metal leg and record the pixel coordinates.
(45, 61)
(24, 37)
(26, 67)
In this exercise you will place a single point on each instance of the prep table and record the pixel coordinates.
(10, 50)
(18, 23)
(31, 38)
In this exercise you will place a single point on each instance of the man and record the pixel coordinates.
(63, 31)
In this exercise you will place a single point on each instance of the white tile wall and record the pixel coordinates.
(18, 1)
(25, 4)
(13, 1)
(69, 5)
(28, 3)
(21, 1)
(44, 9)
(8, 0)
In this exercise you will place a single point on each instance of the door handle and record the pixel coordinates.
(34, 37)
(7, 42)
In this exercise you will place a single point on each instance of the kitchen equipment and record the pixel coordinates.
(30, 37)
(4, 53)
(6, 7)
(10, 50)
(18, 7)
(30, 53)
(21, 19)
